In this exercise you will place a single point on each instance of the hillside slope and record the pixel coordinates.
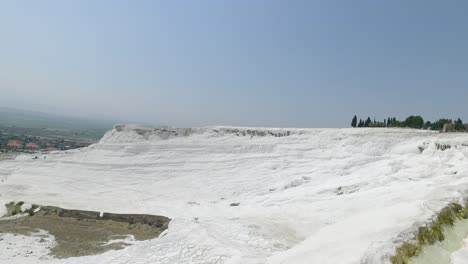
(305, 195)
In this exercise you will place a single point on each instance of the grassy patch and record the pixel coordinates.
(83, 233)
(405, 252)
(430, 234)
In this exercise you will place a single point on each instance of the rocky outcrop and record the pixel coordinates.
(156, 221)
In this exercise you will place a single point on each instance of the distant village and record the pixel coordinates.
(31, 144)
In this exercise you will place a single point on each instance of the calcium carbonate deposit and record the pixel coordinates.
(249, 195)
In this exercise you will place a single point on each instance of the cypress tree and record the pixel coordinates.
(459, 125)
(354, 121)
(367, 123)
(361, 123)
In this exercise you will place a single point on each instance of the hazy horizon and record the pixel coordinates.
(115, 121)
(240, 63)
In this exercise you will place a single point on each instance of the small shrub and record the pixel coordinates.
(447, 216)
(431, 234)
(405, 253)
(14, 208)
(463, 213)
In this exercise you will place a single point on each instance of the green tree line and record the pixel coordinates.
(410, 122)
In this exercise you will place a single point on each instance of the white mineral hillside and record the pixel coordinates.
(304, 195)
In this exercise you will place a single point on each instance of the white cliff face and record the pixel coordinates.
(148, 134)
(305, 195)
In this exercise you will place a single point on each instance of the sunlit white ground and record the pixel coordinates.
(316, 196)
(25, 249)
(460, 256)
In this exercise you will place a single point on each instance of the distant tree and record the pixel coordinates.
(394, 122)
(459, 125)
(361, 123)
(427, 125)
(385, 122)
(354, 121)
(414, 122)
(439, 124)
(389, 122)
(368, 122)
(377, 124)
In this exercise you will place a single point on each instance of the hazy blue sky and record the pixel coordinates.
(253, 63)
